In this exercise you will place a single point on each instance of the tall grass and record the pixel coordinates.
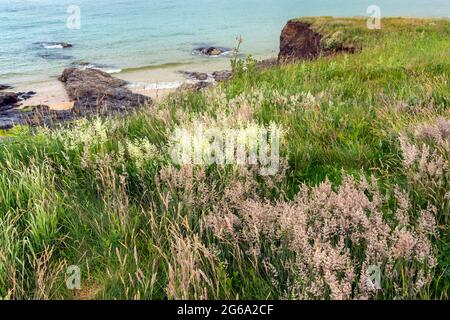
(364, 180)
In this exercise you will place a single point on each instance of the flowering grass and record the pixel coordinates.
(363, 181)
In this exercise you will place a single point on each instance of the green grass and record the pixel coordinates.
(95, 195)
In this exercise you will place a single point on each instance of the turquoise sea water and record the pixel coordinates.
(122, 34)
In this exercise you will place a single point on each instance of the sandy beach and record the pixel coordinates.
(50, 93)
(154, 82)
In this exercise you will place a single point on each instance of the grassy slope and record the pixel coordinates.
(65, 198)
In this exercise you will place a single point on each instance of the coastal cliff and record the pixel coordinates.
(298, 41)
(309, 38)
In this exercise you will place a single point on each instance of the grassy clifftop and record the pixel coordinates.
(355, 30)
(363, 181)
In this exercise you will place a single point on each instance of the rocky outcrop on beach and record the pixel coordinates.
(54, 56)
(11, 114)
(53, 50)
(8, 99)
(193, 75)
(200, 80)
(6, 123)
(217, 76)
(54, 45)
(65, 45)
(5, 87)
(220, 76)
(212, 51)
(95, 89)
(94, 92)
(195, 86)
(25, 95)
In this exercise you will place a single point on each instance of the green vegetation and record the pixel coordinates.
(364, 180)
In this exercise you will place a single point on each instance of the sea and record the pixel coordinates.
(121, 36)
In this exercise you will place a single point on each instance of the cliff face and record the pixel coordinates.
(298, 41)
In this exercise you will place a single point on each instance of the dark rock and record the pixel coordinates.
(10, 114)
(195, 75)
(196, 86)
(6, 123)
(25, 95)
(5, 87)
(8, 99)
(92, 88)
(203, 81)
(211, 51)
(5, 110)
(200, 76)
(81, 63)
(298, 41)
(91, 65)
(220, 76)
(65, 45)
(54, 56)
(53, 45)
(84, 64)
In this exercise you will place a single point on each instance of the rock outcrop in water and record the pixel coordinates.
(193, 75)
(54, 45)
(12, 98)
(5, 87)
(220, 76)
(95, 89)
(200, 80)
(11, 114)
(217, 76)
(65, 45)
(212, 51)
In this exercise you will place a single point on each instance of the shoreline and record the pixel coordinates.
(155, 82)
